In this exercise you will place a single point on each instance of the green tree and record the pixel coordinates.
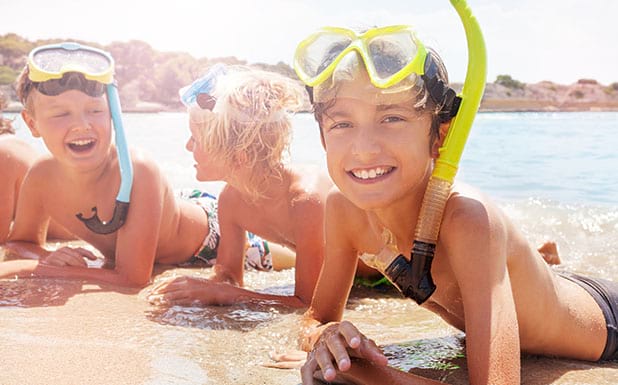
(509, 82)
(8, 75)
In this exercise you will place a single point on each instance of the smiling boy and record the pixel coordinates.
(381, 144)
(70, 112)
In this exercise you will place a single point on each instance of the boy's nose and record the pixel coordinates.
(82, 121)
(365, 144)
(189, 145)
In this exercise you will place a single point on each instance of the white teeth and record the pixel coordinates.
(371, 173)
(82, 142)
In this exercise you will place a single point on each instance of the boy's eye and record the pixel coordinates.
(392, 119)
(340, 125)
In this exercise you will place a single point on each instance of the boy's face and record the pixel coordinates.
(376, 153)
(207, 167)
(75, 127)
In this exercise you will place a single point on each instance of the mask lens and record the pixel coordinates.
(58, 60)
(322, 52)
(390, 53)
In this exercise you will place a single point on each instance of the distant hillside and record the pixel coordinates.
(584, 95)
(149, 80)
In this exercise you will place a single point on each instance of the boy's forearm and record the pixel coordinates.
(225, 275)
(24, 250)
(285, 300)
(93, 274)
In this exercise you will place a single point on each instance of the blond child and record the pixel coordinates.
(240, 135)
(381, 144)
(70, 112)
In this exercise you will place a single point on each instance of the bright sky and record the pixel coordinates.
(531, 40)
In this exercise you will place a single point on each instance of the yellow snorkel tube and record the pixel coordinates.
(413, 277)
(447, 164)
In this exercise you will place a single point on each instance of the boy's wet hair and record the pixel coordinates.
(423, 102)
(250, 120)
(6, 127)
(23, 86)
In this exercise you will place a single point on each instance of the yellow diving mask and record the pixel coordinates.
(56, 68)
(394, 59)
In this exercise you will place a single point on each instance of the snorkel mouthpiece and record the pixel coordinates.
(413, 278)
(95, 224)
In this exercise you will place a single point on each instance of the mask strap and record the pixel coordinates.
(441, 94)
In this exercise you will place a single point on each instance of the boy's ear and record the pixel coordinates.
(443, 130)
(30, 122)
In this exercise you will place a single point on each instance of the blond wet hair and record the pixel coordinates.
(250, 124)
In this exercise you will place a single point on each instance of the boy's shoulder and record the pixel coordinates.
(14, 147)
(310, 179)
(143, 164)
(468, 214)
(339, 207)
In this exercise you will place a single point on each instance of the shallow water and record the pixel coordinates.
(61, 332)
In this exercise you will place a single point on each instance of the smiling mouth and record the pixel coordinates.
(371, 173)
(82, 145)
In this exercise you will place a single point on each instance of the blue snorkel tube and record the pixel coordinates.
(121, 208)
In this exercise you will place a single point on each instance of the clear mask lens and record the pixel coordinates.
(390, 53)
(59, 60)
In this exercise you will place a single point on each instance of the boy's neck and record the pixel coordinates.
(401, 226)
(91, 176)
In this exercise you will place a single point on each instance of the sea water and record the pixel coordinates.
(553, 173)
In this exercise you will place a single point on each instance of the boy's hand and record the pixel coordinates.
(189, 291)
(68, 256)
(338, 342)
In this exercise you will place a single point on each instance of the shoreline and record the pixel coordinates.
(545, 96)
(494, 106)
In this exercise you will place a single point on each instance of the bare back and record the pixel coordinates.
(290, 214)
(16, 157)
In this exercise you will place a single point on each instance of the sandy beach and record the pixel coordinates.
(61, 332)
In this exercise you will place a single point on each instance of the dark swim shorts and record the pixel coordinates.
(605, 293)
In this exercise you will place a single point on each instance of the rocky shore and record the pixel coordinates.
(583, 95)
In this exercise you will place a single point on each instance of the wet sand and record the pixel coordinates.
(61, 332)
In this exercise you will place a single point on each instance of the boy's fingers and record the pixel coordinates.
(351, 334)
(325, 360)
(87, 254)
(370, 351)
(307, 371)
(65, 257)
(337, 346)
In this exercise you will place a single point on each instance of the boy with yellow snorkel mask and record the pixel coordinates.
(70, 101)
(384, 109)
